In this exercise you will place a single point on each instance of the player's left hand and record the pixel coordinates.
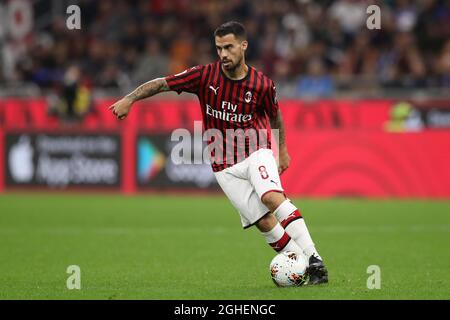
(285, 160)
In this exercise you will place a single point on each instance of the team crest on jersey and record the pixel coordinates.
(248, 97)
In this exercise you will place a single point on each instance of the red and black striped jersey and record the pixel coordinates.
(235, 112)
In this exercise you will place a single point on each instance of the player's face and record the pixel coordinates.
(230, 50)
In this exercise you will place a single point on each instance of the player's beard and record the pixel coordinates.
(232, 68)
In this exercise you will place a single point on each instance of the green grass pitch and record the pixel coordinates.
(193, 247)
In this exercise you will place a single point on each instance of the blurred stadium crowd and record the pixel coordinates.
(315, 48)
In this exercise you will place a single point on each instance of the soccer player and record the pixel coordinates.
(235, 96)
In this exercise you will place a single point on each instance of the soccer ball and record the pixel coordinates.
(288, 269)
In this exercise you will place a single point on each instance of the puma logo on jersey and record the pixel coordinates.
(214, 89)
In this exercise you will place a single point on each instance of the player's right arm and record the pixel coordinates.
(122, 107)
(186, 81)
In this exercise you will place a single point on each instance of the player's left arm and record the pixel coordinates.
(284, 158)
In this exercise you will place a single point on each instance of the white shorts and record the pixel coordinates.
(246, 182)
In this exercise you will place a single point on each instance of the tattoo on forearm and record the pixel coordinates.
(149, 89)
(277, 123)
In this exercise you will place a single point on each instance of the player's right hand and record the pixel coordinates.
(121, 108)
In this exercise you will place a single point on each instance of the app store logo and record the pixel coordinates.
(20, 160)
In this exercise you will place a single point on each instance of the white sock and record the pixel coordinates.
(280, 241)
(294, 224)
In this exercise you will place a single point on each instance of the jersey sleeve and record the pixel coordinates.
(270, 101)
(186, 81)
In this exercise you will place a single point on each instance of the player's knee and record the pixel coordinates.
(273, 199)
(267, 223)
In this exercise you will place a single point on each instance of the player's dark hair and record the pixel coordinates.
(231, 27)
